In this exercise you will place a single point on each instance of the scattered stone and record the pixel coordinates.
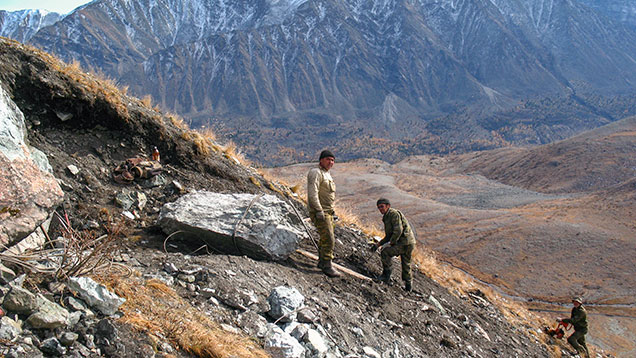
(96, 295)
(283, 301)
(63, 116)
(53, 347)
(128, 215)
(48, 315)
(281, 345)
(68, 338)
(438, 305)
(306, 316)
(315, 342)
(9, 329)
(370, 352)
(73, 170)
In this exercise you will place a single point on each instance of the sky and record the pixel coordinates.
(60, 6)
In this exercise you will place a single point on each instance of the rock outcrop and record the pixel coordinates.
(28, 189)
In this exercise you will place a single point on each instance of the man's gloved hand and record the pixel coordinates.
(320, 215)
(373, 247)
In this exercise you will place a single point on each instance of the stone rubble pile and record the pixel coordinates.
(37, 325)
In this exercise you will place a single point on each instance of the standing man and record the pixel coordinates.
(578, 318)
(321, 195)
(399, 235)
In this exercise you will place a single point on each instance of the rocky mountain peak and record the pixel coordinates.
(22, 25)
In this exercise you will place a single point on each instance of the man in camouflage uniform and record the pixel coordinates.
(321, 195)
(399, 236)
(578, 318)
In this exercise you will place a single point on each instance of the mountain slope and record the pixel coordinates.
(593, 160)
(266, 71)
(75, 119)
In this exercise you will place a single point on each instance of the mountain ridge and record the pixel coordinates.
(263, 71)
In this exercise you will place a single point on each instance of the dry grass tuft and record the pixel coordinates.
(347, 217)
(156, 308)
(231, 151)
(147, 101)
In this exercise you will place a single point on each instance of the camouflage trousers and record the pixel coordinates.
(577, 341)
(327, 239)
(405, 252)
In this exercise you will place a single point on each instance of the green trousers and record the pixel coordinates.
(405, 252)
(577, 340)
(327, 239)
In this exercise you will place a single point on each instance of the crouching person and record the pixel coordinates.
(399, 236)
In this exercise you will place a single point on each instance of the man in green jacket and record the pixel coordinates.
(401, 242)
(321, 195)
(578, 319)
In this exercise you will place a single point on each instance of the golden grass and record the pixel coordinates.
(347, 217)
(147, 101)
(231, 151)
(157, 309)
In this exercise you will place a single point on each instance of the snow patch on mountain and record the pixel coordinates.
(23, 24)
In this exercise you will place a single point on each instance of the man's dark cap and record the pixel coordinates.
(326, 153)
(577, 299)
(383, 201)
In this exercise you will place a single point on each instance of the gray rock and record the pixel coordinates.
(9, 329)
(269, 229)
(316, 343)
(438, 305)
(68, 338)
(370, 352)
(73, 169)
(96, 295)
(28, 189)
(75, 304)
(124, 199)
(281, 345)
(155, 181)
(49, 315)
(297, 330)
(20, 300)
(53, 347)
(282, 301)
(306, 316)
(253, 324)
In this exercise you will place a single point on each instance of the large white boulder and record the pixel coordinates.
(268, 230)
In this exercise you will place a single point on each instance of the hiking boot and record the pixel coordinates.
(407, 286)
(328, 270)
(385, 276)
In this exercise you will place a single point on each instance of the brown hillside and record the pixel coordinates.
(537, 246)
(591, 161)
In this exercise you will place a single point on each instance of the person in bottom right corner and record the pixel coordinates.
(578, 319)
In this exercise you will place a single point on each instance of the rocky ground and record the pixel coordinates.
(356, 314)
